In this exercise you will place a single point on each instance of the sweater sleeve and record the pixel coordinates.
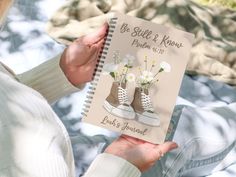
(49, 80)
(107, 165)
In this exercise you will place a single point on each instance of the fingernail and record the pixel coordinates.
(174, 146)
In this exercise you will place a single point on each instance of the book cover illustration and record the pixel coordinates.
(138, 78)
(117, 102)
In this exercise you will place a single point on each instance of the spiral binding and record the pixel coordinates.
(98, 70)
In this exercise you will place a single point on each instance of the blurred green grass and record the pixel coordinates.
(227, 3)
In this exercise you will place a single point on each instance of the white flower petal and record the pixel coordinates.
(165, 66)
(130, 77)
(147, 73)
(128, 59)
(150, 78)
(110, 67)
(105, 73)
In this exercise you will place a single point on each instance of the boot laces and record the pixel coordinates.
(146, 102)
(123, 96)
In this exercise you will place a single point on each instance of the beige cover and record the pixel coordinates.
(159, 43)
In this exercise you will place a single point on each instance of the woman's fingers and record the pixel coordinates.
(133, 140)
(95, 37)
(96, 47)
(164, 148)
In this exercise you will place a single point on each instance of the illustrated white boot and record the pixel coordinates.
(117, 102)
(143, 107)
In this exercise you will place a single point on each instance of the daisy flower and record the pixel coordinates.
(130, 77)
(165, 66)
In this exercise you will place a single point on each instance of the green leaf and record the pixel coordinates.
(112, 74)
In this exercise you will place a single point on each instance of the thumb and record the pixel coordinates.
(96, 36)
(166, 147)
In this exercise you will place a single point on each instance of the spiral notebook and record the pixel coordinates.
(138, 78)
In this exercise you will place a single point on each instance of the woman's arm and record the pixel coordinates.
(48, 79)
(68, 72)
(108, 165)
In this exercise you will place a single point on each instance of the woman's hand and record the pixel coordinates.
(138, 152)
(79, 60)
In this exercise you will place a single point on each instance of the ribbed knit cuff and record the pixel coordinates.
(107, 165)
(5, 69)
(49, 80)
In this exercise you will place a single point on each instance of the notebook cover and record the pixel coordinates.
(138, 78)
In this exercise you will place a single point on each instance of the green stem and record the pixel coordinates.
(151, 68)
(127, 69)
(160, 70)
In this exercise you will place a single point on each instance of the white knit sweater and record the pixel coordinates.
(33, 140)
